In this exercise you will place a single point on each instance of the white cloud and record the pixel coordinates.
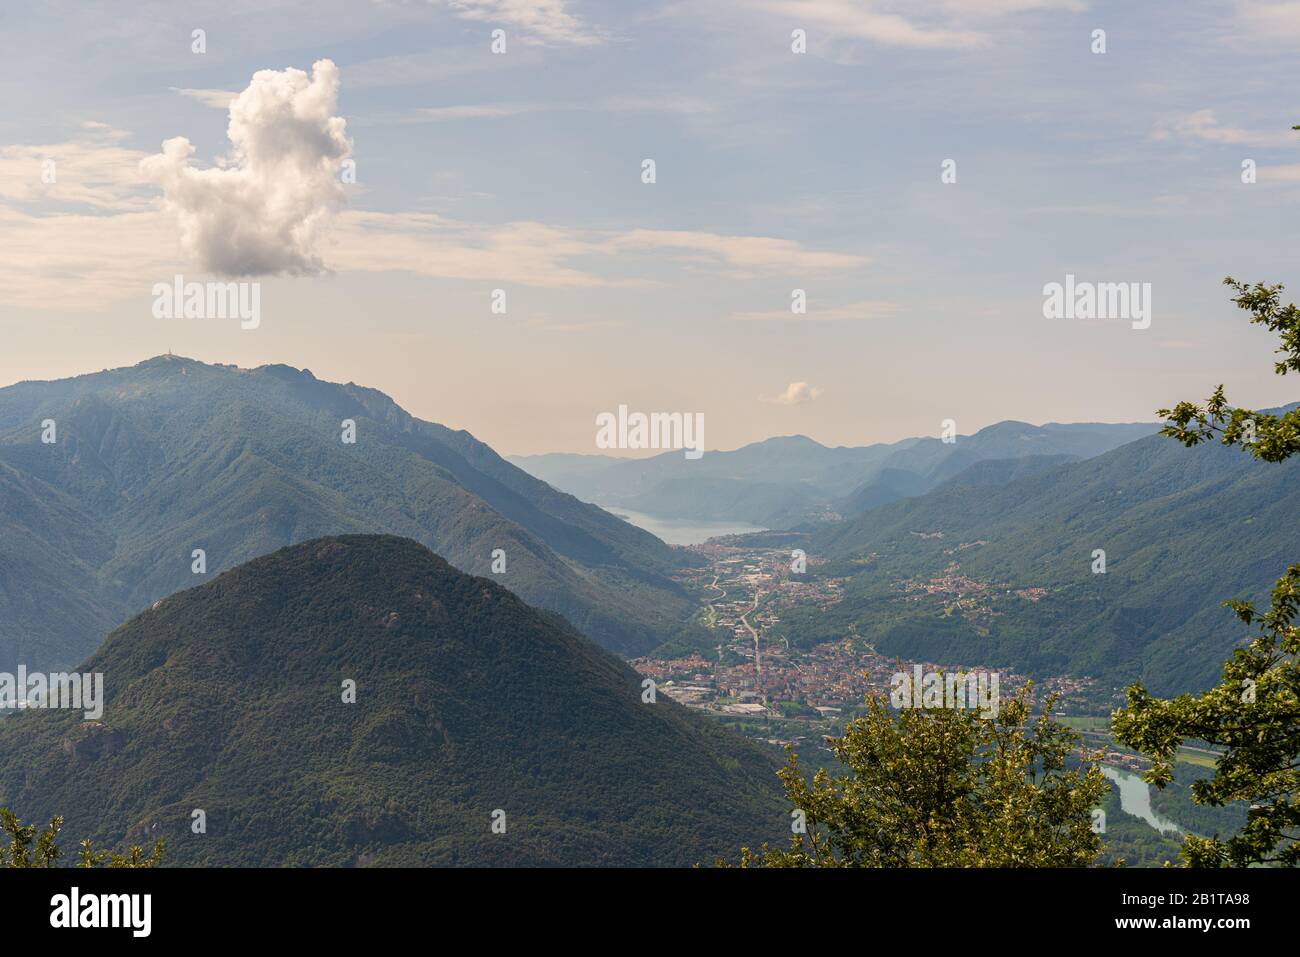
(922, 24)
(217, 99)
(264, 208)
(101, 234)
(1204, 125)
(426, 244)
(81, 261)
(612, 104)
(539, 21)
(1278, 19)
(1282, 173)
(761, 253)
(474, 112)
(797, 393)
(90, 173)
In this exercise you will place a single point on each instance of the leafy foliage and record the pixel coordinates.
(1272, 438)
(27, 848)
(1254, 712)
(945, 788)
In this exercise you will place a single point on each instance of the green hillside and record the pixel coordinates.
(227, 698)
(1182, 531)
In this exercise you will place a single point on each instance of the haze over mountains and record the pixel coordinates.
(787, 481)
(153, 461)
(228, 698)
(156, 460)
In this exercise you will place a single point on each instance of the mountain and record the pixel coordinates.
(1001, 471)
(780, 482)
(790, 481)
(1182, 530)
(227, 698)
(928, 462)
(152, 462)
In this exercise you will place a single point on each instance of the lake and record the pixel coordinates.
(680, 531)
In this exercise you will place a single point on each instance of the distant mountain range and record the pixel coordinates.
(1182, 530)
(790, 481)
(152, 462)
(229, 698)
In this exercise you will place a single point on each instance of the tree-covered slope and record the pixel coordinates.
(154, 461)
(1181, 529)
(928, 462)
(228, 698)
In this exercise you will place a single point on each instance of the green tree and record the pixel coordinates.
(27, 848)
(945, 787)
(1254, 713)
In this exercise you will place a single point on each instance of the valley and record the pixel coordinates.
(759, 660)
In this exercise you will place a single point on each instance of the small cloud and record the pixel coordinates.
(217, 99)
(797, 393)
(104, 131)
(470, 112)
(613, 104)
(1204, 125)
(1274, 19)
(748, 253)
(1283, 173)
(846, 18)
(538, 21)
(921, 24)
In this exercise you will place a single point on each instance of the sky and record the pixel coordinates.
(384, 177)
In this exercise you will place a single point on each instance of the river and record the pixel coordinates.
(1135, 798)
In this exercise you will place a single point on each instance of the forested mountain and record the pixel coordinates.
(230, 698)
(927, 462)
(151, 462)
(790, 481)
(1182, 530)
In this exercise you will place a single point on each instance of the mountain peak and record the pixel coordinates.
(390, 703)
(1009, 426)
(167, 359)
(791, 443)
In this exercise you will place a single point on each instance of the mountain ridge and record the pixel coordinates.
(795, 482)
(174, 454)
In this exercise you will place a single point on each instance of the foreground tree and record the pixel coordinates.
(944, 787)
(1254, 713)
(27, 848)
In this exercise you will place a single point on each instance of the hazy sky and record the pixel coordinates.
(775, 171)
